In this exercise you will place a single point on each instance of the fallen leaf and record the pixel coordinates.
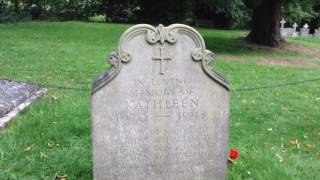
(43, 155)
(310, 145)
(64, 177)
(295, 142)
(50, 145)
(54, 97)
(29, 148)
(280, 158)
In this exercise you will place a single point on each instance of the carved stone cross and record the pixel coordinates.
(161, 57)
(295, 25)
(282, 22)
(295, 33)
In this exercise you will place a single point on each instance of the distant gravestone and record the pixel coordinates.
(282, 29)
(287, 32)
(290, 31)
(305, 31)
(295, 33)
(317, 33)
(160, 112)
(14, 97)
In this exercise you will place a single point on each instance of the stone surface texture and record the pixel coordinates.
(14, 97)
(160, 112)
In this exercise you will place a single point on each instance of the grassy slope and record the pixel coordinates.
(53, 136)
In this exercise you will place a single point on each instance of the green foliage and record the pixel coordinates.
(238, 12)
(316, 19)
(97, 18)
(70, 10)
(49, 9)
(118, 10)
(224, 13)
(233, 13)
(295, 11)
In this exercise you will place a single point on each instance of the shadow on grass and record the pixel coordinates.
(224, 45)
(234, 43)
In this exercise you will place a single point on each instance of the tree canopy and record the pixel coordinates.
(153, 11)
(262, 16)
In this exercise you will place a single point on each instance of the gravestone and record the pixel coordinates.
(295, 33)
(290, 31)
(287, 32)
(305, 31)
(14, 97)
(161, 111)
(317, 33)
(283, 31)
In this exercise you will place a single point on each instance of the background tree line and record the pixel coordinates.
(262, 16)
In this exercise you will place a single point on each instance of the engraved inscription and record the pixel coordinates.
(165, 99)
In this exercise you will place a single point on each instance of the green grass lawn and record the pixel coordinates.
(277, 130)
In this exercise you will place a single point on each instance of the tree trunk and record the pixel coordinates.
(108, 7)
(16, 6)
(265, 28)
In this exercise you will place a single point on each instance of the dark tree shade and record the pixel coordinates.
(164, 11)
(16, 6)
(118, 10)
(1, 6)
(252, 3)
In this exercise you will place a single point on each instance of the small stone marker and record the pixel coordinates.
(160, 112)
(14, 97)
(295, 33)
(305, 31)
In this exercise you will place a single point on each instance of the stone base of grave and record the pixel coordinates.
(14, 97)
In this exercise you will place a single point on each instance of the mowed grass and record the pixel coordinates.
(276, 129)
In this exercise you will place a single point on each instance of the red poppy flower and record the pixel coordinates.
(234, 154)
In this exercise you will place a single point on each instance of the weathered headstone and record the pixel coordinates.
(160, 112)
(305, 31)
(295, 33)
(14, 97)
(282, 29)
(317, 33)
(287, 32)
